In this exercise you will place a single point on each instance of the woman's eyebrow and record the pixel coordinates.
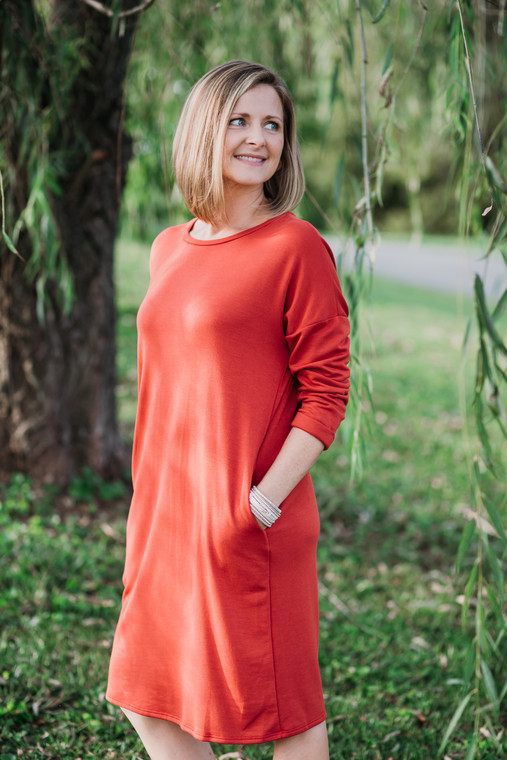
(268, 116)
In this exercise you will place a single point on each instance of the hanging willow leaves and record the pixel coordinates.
(485, 661)
(465, 543)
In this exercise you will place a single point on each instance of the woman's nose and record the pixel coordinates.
(256, 135)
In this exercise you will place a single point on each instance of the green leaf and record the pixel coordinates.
(500, 307)
(496, 520)
(454, 721)
(486, 644)
(472, 749)
(381, 13)
(485, 319)
(503, 693)
(466, 337)
(495, 406)
(495, 605)
(53, 184)
(501, 372)
(388, 59)
(8, 242)
(469, 664)
(483, 435)
(464, 544)
(335, 89)
(489, 683)
(479, 370)
(10, 245)
(469, 589)
(495, 174)
(493, 646)
(348, 43)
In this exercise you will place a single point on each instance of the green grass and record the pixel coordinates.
(392, 647)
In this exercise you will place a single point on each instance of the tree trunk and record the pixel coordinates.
(57, 373)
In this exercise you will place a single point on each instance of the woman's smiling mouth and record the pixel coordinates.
(251, 159)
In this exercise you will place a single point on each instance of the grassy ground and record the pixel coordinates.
(392, 646)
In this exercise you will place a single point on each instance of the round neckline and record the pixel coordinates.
(217, 241)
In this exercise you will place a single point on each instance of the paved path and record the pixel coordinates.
(437, 266)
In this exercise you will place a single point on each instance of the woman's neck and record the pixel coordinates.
(244, 210)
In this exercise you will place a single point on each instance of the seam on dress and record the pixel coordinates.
(318, 322)
(271, 635)
(276, 401)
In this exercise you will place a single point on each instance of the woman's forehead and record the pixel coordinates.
(258, 98)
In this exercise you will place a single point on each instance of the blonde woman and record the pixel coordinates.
(243, 380)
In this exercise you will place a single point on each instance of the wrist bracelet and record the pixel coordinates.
(262, 508)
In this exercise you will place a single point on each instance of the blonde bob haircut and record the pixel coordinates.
(198, 144)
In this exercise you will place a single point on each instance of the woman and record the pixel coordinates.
(243, 380)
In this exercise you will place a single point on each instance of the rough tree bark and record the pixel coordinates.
(57, 376)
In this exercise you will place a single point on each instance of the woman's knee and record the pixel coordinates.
(309, 745)
(164, 740)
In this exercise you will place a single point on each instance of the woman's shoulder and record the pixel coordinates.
(165, 243)
(303, 239)
(293, 225)
(170, 233)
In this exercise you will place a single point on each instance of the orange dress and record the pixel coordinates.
(240, 338)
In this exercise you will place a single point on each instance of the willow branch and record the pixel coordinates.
(364, 122)
(468, 59)
(123, 14)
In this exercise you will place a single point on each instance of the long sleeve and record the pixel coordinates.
(317, 333)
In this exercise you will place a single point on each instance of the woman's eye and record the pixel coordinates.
(273, 125)
(237, 122)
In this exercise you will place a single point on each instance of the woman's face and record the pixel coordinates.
(254, 138)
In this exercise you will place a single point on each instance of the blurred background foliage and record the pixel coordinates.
(414, 114)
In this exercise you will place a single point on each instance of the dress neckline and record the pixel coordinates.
(217, 241)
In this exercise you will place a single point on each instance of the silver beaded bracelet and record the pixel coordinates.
(262, 508)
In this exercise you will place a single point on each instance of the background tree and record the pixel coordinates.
(64, 162)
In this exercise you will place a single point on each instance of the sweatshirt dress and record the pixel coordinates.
(240, 338)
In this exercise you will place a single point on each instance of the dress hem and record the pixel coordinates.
(273, 736)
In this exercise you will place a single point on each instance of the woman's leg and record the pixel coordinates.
(310, 745)
(164, 740)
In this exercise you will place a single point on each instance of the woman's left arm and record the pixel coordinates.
(297, 455)
(317, 333)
